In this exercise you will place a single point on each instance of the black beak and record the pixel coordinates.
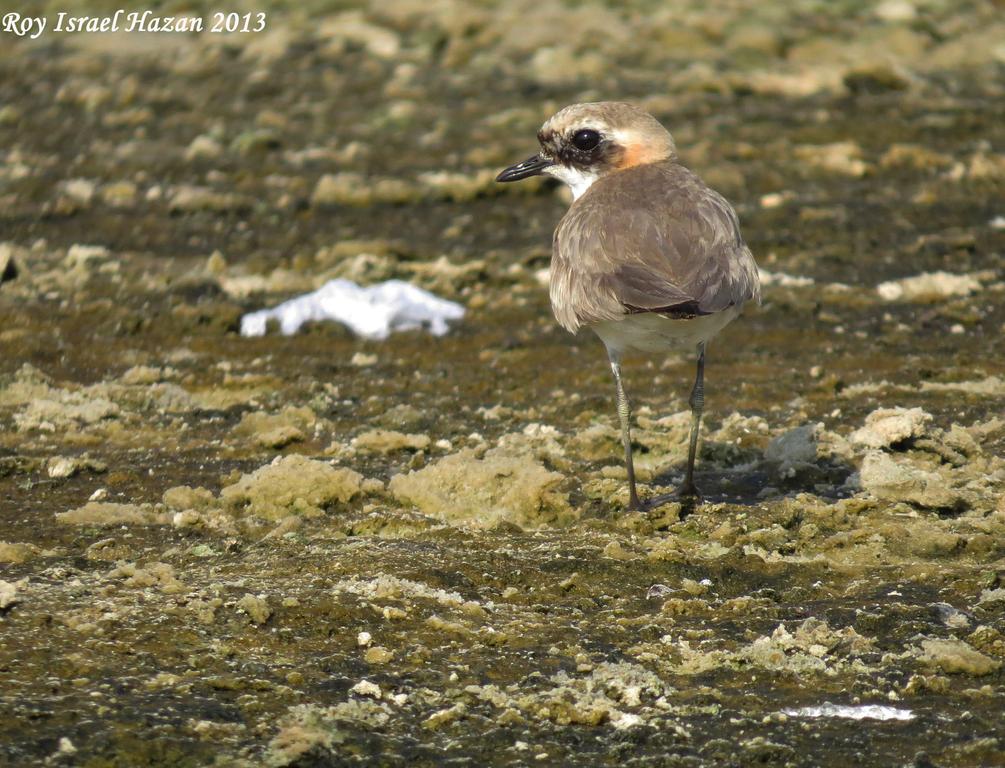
(532, 166)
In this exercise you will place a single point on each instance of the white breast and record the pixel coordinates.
(651, 332)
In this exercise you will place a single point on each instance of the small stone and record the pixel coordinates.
(876, 77)
(59, 467)
(9, 114)
(887, 427)
(795, 449)
(291, 485)
(203, 148)
(8, 267)
(182, 497)
(386, 441)
(445, 716)
(956, 657)
(276, 430)
(366, 688)
(216, 264)
(363, 360)
(377, 655)
(79, 256)
(775, 199)
(8, 594)
(187, 519)
(458, 187)
(104, 514)
(928, 286)
(353, 189)
(108, 550)
(16, 552)
(80, 190)
(913, 156)
(889, 480)
(896, 10)
(363, 639)
(352, 27)
(615, 551)
(484, 489)
(255, 142)
(693, 587)
(843, 157)
(142, 375)
(256, 606)
(119, 194)
(188, 198)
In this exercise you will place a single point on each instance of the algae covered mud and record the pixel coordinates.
(317, 550)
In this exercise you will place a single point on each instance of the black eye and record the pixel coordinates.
(585, 140)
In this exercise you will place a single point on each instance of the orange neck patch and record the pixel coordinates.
(640, 153)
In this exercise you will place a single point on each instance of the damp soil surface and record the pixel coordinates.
(319, 550)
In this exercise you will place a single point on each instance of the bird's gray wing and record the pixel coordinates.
(656, 240)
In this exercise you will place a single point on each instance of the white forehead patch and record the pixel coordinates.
(578, 181)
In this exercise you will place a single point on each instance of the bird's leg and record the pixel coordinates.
(697, 403)
(624, 414)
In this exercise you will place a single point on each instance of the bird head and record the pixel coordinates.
(585, 142)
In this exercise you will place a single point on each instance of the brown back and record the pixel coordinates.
(651, 238)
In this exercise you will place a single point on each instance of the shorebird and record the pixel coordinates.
(647, 256)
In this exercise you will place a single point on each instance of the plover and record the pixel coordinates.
(647, 256)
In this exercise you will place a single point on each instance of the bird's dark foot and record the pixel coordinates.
(689, 492)
(648, 505)
(658, 501)
(687, 495)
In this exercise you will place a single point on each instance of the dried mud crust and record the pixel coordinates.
(322, 551)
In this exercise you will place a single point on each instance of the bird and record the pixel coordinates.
(647, 256)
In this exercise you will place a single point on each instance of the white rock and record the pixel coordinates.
(775, 199)
(8, 267)
(624, 720)
(352, 27)
(782, 279)
(844, 157)
(187, 518)
(60, 467)
(896, 10)
(888, 426)
(363, 639)
(891, 480)
(363, 360)
(203, 147)
(8, 594)
(366, 688)
(794, 449)
(78, 256)
(81, 190)
(928, 286)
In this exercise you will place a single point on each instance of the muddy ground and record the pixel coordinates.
(317, 550)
